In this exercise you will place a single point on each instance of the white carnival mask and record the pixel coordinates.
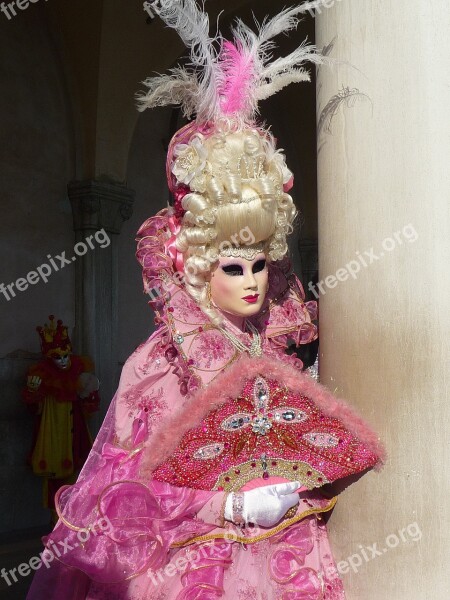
(239, 285)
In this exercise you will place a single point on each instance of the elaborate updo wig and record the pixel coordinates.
(234, 184)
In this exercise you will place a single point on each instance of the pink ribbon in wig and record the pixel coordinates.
(178, 194)
(288, 185)
(170, 246)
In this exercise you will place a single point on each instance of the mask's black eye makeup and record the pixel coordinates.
(233, 270)
(259, 265)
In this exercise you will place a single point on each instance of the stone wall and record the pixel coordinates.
(36, 159)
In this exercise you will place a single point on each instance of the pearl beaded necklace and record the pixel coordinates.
(255, 348)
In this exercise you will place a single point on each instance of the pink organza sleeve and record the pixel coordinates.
(146, 386)
(130, 522)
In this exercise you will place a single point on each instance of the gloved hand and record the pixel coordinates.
(266, 505)
(33, 383)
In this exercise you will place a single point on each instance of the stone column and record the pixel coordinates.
(384, 256)
(99, 209)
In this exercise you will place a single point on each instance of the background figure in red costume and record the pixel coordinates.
(207, 478)
(61, 391)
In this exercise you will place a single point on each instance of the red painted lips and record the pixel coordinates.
(251, 299)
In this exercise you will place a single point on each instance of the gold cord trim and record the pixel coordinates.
(264, 536)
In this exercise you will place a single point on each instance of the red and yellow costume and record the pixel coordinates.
(61, 440)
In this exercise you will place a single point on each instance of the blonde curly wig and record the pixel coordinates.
(235, 178)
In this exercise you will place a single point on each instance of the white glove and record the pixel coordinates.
(266, 505)
(33, 383)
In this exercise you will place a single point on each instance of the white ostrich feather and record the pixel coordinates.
(266, 90)
(304, 53)
(286, 20)
(282, 22)
(179, 87)
(192, 25)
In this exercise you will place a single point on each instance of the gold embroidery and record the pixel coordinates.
(231, 481)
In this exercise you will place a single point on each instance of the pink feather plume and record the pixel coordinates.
(237, 67)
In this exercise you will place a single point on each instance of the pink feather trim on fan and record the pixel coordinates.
(229, 384)
(238, 69)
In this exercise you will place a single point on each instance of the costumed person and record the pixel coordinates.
(61, 390)
(206, 478)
